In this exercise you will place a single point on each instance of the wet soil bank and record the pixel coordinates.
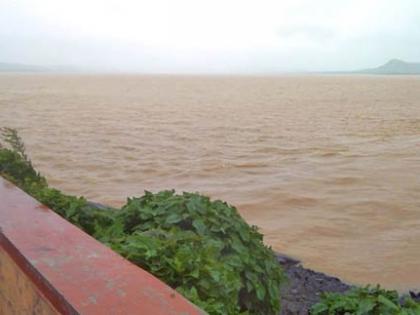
(304, 287)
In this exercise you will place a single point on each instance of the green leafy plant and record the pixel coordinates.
(202, 248)
(14, 163)
(212, 254)
(365, 301)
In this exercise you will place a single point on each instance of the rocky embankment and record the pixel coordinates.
(304, 287)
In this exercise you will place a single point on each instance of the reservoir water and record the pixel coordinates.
(327, 166)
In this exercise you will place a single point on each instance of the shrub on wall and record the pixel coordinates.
(202, 248)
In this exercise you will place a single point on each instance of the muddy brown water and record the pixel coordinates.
(327, 166)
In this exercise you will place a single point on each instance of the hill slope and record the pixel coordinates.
(394, 66)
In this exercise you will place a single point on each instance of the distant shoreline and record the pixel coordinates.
(392, 67)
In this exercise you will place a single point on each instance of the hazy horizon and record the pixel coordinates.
(235, 37)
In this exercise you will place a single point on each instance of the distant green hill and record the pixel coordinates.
(16, 67)
(394, 66)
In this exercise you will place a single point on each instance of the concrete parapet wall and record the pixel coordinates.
(18, 295)
(49, 266)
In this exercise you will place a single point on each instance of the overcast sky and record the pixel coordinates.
(227, 36)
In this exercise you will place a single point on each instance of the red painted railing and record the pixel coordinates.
(71, 272)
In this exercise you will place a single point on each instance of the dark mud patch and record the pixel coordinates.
(304, 287)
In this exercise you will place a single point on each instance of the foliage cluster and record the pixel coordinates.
(202, 248)
(365, 301)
